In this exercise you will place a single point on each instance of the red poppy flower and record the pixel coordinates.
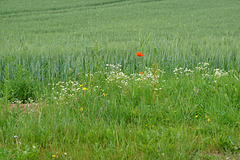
(140, 72)
(139, 54)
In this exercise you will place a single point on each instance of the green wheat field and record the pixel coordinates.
(72, 86)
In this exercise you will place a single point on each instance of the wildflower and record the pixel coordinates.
(34, 147)
(15, 136)
(84, 89)
(53, 156)
(139, 54)
(81, 85)
(81, 109)
(146, 125)
(140, 72)
(205, 64)
(152, 125)
(196, 116)
(104, 94)
(208, 120)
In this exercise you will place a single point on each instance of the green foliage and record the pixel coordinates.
(20, 152)
(77, 60)
(22, 88)
(228, 144)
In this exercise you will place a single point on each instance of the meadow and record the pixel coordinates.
(72, 86)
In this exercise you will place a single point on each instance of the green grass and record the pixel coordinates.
(185, 105)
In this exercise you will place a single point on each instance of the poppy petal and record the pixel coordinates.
(139, 54)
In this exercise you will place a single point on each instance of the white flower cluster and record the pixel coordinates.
(65, 89)
(203, 69)
(180, 70)
(219, 73)
(203, 66)
(118, 77)
(148, 75)
(114, 67)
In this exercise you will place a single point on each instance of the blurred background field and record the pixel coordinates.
(185, 105)
(178, 33)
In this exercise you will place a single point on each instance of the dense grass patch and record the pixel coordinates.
(72, 87)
